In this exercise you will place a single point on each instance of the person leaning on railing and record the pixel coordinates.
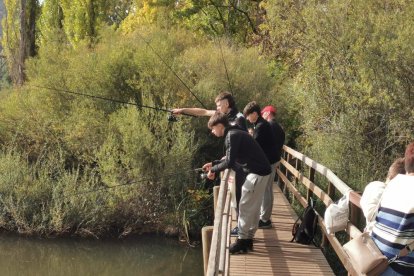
(394, 225)
(243, 149)
(373, 192)
(226, 104)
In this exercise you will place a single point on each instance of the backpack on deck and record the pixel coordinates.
(304, 231)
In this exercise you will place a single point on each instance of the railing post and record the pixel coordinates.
(216, 190)
(278, 168)
(309, 193)
(355, 213)
(296, 180)
(206, 234)
(278, 183)
(331, 190)
(287, 174)
(331, 194)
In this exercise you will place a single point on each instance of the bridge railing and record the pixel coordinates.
(216, 259)
(298, 175)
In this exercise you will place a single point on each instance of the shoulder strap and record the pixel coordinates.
(296, 224)
(406, 250)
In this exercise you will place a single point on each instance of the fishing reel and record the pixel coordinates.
(203, 175)
(171, 117)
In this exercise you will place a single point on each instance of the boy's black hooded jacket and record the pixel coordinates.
(243, 149)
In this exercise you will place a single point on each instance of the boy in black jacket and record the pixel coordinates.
(269, 114)
(243, 149)
(264, 135)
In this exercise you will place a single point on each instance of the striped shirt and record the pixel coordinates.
(394, 224)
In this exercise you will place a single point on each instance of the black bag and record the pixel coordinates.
(304, 231)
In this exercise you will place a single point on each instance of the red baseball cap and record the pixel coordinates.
(269, 108)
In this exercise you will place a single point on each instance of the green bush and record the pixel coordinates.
(89, 166)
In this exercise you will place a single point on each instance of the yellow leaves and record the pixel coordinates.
(198, 195)
(263, 5)
(147, 12)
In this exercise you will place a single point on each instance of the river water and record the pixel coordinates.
(146, 255)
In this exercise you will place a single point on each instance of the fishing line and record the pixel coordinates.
(225, 67)
(107, 187)
(169, 67)
(128, 184)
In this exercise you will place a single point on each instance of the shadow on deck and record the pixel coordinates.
(273, 252)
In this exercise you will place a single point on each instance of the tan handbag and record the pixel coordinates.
(365, 255)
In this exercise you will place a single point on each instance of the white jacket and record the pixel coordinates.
(370, 202)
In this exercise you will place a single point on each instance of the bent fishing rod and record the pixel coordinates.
(171, 117)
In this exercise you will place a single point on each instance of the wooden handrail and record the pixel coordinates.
(321, 169)
(218, 257)
(289, 175)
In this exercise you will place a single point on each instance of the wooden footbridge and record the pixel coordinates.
(299, 178)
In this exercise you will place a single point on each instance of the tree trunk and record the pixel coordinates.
(31, 35)
(22, 49)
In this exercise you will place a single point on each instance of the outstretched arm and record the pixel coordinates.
(193, 111)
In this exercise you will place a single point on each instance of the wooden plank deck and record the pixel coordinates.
(274, 254)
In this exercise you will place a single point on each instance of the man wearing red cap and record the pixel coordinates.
(269, 114)
(263, 135)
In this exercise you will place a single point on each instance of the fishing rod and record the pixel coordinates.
(169, 67)
(225, 67)
(171, 117)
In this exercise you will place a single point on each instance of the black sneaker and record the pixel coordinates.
(265, 225)
(234, 231)
(241, 246)
(249, 243)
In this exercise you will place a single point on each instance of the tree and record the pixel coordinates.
(19, 35)
(80, 21)
(349, 66)
(232, 18)
(238, 20)
(51, 23)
